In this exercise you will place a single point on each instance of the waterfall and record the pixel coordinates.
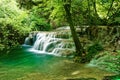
(57, 43)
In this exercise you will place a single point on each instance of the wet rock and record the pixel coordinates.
(28, 41)
(82, 79)
(114, 77)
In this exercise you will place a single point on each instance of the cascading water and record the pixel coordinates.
(56, 43)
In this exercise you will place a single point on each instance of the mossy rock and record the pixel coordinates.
(82, 79)
(114, 77)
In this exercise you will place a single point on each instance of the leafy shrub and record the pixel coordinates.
(93, 50)
(12, 27)
(40, 24)
(109, 61)
(37, 21)
(11, 34)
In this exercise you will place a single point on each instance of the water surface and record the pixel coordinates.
(22, 64)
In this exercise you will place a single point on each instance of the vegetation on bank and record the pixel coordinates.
(12, 28)
(19, 17)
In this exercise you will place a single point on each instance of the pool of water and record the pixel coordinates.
(22, 64)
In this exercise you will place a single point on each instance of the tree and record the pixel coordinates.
(109, 11)
(67, 7)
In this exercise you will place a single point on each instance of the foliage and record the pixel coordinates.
(92, 12)
(12, 25)
(37, 21)
(109, 10)
(108, 60)
(41, 14)
(57, 16)
(93, 50)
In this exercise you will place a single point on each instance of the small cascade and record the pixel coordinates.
(57, 43)
(65, 48)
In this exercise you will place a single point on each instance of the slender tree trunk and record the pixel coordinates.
(67, 6)
(94, 6)
(114, 14)
(110, 8)
(89, 20)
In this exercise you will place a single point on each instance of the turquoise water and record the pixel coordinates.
(22, 64)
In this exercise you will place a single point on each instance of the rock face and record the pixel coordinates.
(57, 43)
(31, 38)
(28, 41)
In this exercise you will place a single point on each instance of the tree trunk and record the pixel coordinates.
(89, 20)
(79, 48)
(94, 6)
(110, 8)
